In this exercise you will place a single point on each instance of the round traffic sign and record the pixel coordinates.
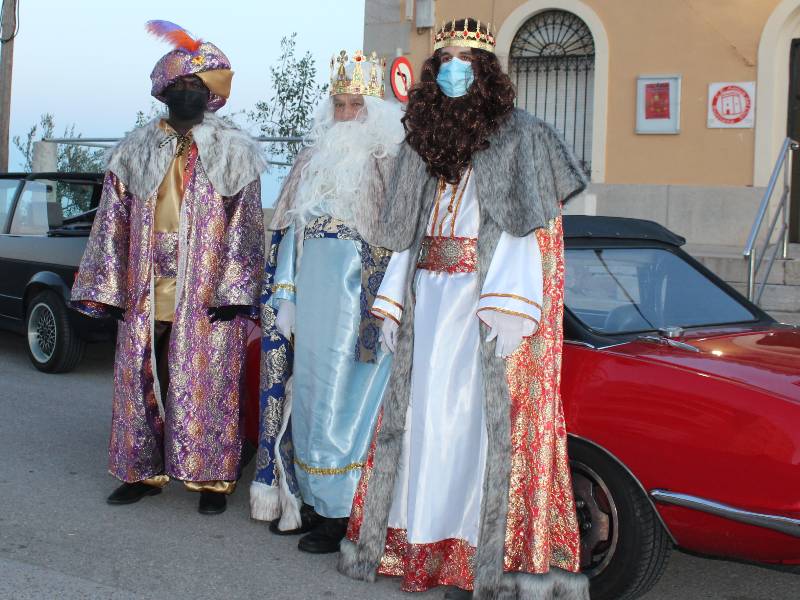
(402, 77)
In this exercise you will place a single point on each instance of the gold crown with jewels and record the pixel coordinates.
(465, 38)
(359, 75)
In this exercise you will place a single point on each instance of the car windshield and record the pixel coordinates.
(8, 189)
(626, 290)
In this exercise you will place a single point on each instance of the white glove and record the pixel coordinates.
(508, 329)
(285, 319)
(389, 335)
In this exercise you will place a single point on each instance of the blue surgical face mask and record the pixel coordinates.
(455, 77)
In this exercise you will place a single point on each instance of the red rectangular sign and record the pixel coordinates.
(656, 101)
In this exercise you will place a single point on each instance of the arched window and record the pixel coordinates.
(552, 64)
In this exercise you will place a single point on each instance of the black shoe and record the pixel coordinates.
(309, 519)
(128, 493)
(457, 594)
(212, 503)
(325, 537)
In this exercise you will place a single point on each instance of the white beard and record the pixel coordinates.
(334, 182)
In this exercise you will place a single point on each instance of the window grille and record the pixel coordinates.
(552, 65)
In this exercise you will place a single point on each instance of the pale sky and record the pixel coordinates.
(88, 62)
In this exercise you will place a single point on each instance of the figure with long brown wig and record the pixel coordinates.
(467, 483)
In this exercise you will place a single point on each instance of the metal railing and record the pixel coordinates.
(755, 259)
(109, 143)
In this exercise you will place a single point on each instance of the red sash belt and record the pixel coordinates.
(449, 254)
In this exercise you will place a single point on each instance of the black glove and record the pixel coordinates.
(115, 312)
(226, 313)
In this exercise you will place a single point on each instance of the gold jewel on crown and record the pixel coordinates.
(466, 38)
(366, 77)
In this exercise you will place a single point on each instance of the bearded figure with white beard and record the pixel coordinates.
(321, 394)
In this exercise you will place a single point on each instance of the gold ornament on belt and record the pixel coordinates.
(448, 254)
(466, 38)
(361, 75)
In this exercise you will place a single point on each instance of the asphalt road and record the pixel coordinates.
(59, 539)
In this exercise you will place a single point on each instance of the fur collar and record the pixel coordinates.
(526, 174)
(523, 177)
(230, 157)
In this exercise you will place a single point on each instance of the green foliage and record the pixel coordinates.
(289, 111)
(143, 118)
(69, 157)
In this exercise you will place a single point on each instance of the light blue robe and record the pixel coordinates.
(335, 397)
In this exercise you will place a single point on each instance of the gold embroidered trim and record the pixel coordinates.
(382, 313)
(331, 471)
(283, 286)
(458, 203)
(448, 254)
(509, 312)
(442, 185)
(390, 301)
(514, 297)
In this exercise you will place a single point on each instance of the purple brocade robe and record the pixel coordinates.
(195, 434)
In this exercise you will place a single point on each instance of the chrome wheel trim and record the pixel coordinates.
(42, 333)
(597, 519)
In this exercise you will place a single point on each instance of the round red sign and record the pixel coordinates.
(731, 104)
(402, 77)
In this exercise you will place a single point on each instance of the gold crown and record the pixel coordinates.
(466, 38)
(356, 82)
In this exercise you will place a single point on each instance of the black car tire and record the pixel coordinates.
(52, 343)
(634, 554)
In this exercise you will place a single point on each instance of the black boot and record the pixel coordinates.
(325, 537)
(457, 594)
(309, 519)
(128, 493)
(212, 503)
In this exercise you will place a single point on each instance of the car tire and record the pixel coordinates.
(53, 345)
(624, 546)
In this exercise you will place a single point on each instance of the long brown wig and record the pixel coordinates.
(447, 131)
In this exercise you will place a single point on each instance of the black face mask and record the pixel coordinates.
(186, 105)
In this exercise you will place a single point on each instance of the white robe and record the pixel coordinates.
(438, 490)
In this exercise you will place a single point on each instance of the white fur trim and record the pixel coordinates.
(183, 249)
(153, 363)
(230, 157)
(269, 502)
(290, 515)
(265, 502)
(556, 584)
(290, 504)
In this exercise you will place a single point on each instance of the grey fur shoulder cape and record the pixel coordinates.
(285, 202)
(522, 179)
(230, 156)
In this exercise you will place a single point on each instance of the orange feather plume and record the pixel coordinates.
(174, 34)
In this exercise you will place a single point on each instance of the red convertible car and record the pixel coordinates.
(682, 400)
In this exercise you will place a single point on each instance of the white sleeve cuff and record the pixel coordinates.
(389, 300)
(528, 311)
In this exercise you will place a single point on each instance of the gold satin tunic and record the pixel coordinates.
(166, 227)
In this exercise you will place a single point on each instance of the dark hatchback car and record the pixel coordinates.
(45, 220)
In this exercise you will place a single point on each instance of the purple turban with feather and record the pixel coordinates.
(190, 57)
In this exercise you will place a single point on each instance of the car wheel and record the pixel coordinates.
(624, 547)
(53, 345)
